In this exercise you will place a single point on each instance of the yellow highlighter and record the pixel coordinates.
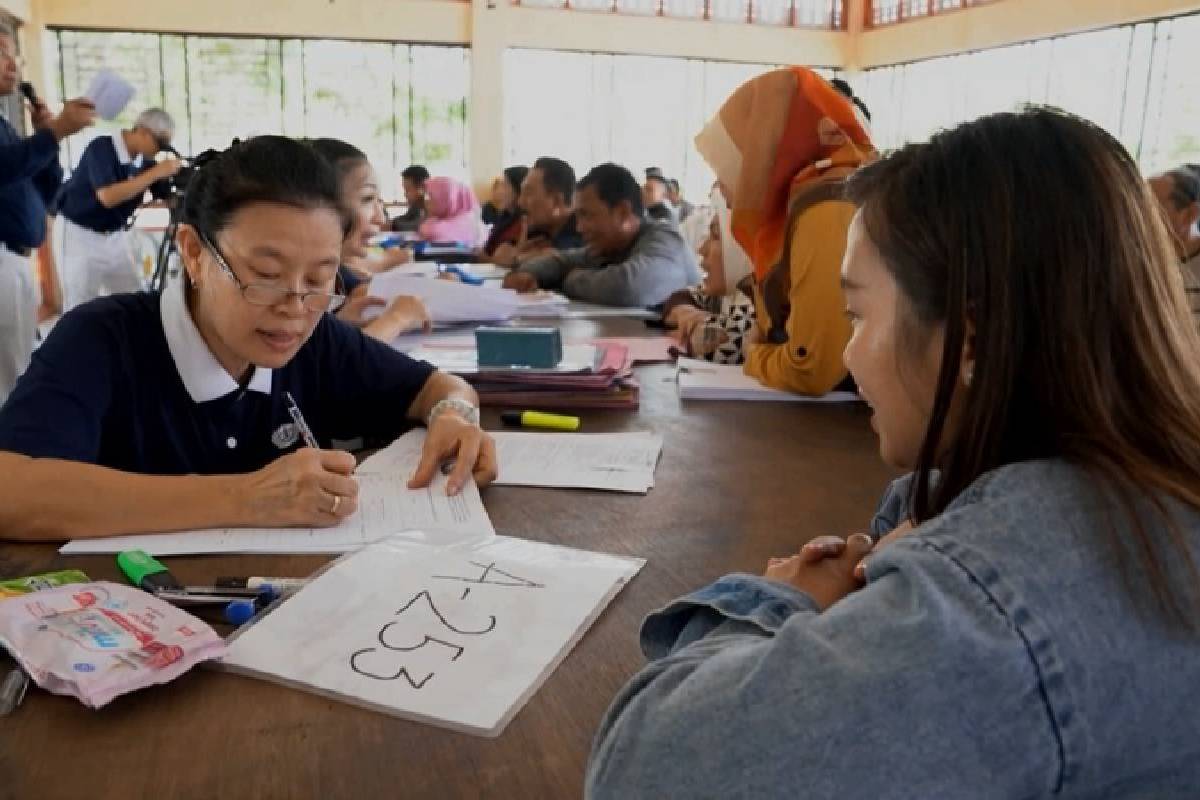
(539, 419)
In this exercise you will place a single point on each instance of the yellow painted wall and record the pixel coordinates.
(489, 30)
(1005, 22)
(555, 29)
(21, 9)
(442, 21)
(448, 21)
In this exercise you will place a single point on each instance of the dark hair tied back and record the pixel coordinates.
(264, 169)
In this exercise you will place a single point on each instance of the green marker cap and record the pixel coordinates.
(145, 571)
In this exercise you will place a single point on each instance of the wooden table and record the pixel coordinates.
(738, 483)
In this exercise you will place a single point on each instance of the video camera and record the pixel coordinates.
(172, 191)
(177, 184)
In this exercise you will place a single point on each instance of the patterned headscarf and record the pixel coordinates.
(775, 135)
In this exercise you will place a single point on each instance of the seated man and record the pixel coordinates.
(547, 197)
(628, 260)
(413, 180)
(656, 195)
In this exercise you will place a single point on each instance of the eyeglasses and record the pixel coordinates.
(264, 294)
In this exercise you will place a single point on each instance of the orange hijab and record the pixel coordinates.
(775, 134)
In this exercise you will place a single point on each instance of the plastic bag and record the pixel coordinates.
(97, 641)
(34, 583)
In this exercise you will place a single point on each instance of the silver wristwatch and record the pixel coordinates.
(464, 409)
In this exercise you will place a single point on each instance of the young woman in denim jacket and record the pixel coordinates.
(1028, 625)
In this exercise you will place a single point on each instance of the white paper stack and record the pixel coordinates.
(464, 360)
(617, 462)
(701, 380)
(556, 306)
(542, 304)
(447, 301)
(386, 506)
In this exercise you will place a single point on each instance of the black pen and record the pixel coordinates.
(305, 431)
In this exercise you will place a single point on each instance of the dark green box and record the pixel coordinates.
(536, 348)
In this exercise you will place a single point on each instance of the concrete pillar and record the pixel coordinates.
(488, 36)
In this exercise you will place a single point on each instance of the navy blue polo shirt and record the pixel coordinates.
(29, 179)
(105, 161)
(351, 280)
(125, 382)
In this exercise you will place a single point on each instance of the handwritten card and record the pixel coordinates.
(458, 636)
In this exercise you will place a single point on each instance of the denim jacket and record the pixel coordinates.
(995, 652)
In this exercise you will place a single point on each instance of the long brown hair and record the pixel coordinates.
(1038, 228)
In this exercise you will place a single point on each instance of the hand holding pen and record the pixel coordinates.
(310, 487)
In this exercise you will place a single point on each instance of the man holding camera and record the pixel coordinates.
(29, 178)
(97, 201)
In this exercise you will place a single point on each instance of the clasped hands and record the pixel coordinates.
(829, 568)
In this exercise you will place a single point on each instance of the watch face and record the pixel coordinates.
(464, 409)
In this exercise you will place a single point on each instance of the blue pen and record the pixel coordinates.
(390, 241)
(462, 274)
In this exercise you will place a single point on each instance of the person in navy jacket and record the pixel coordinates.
(146, 413)
(97, 201)
(29, 178)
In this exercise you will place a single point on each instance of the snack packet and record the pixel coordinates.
(97, 641)
(35, 583)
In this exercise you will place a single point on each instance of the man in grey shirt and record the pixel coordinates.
(627, 261)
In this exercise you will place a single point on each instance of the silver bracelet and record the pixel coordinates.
(464, 409)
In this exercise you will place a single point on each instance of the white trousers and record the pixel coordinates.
(94, 264)
(18, 318)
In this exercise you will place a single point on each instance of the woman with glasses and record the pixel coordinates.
(156, 413)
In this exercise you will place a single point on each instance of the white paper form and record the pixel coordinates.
(465, 360)
(702, 380)
(386, 506)
(446, 301)
(577, 310)
(617, 462)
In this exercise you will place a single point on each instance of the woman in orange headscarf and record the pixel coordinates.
(782, 146)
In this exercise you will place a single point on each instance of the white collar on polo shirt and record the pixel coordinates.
(118, 140)
(204, 378)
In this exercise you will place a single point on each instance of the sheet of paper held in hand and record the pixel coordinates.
(385, 506)
(458, 636)
(110, 93)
